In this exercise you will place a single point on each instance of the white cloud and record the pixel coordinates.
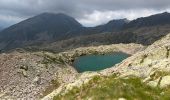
(101, 17)
(88, 12)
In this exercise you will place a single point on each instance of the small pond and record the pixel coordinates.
(98, 62)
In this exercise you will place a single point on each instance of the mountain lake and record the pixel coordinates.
(98, 62)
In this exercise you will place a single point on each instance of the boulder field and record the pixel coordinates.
(33, 75)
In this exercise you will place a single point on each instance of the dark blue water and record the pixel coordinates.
(98, 62)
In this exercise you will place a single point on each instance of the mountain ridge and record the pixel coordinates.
(43, 27)
(157, 19)
(49, 27)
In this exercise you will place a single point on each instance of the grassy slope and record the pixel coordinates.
(111, 88)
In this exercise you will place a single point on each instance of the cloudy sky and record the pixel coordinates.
(87, 12)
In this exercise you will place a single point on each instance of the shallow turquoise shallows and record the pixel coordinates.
(98, 62)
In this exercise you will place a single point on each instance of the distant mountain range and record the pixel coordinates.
(48, 28)
(158, 19)
(111, 26)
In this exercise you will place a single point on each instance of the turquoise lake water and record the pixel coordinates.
(98, 62)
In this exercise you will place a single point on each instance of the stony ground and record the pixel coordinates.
(151, 66)
(33, 75)
(70, 55)
(24, 75)
(152, 60)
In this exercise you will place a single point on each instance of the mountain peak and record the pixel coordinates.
(43, 27)
(124, 20)
(52, 14)
(58, 18)
(165, 12)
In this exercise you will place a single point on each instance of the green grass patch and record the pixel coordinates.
(112, 88)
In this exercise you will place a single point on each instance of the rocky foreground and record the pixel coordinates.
(33, 75)
(144, 75)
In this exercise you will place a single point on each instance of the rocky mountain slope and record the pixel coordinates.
(111, 26)
(33, 75)
(153, 20)
(85, 41)
(144, 35)
(47, 28)
(44, 27)
(47, 75)
(141, 35)
(145, 74)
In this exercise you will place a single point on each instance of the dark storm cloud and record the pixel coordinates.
(16, 10)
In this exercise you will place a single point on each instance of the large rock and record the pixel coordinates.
(165, 82)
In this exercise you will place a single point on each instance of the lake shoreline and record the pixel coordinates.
(97, 62)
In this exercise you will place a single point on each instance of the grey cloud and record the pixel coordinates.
(76, 8)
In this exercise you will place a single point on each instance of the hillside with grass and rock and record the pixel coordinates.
(37, 59)
(145, 74)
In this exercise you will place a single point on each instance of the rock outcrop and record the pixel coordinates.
(151, 65)
(70, 55)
